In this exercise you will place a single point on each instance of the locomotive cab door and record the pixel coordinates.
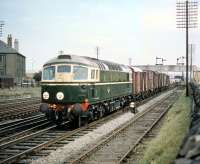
(83, 91)
(93, 91)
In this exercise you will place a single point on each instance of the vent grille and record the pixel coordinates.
(64, 57)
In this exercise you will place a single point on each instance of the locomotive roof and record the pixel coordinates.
(71, 59)
(107, 65)
(88, 61)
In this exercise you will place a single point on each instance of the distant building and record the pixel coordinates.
(12, 63)
(176, 72)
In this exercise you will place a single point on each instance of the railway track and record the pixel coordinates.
(41, 143)
(15, 149)
(117, 146)
(11, 102)
(138, 152)
(12, 98)
(21, 127)
(18, 108)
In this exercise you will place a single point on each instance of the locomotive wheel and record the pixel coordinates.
(50, 115)
(102, 111)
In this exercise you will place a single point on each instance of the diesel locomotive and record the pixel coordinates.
(79, 89)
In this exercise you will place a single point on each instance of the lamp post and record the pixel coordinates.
(97, 52)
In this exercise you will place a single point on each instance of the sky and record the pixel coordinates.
(122, 29)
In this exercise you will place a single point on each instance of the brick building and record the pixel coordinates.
(12, 63)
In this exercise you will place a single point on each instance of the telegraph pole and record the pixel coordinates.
(1, 28)
(191, 63)
(97, 51)
(130, 61)
(187, 16)
(187, 87)
(192, 47)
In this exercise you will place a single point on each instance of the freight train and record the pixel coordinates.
(80, 89)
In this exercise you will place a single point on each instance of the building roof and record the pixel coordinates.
(5, 49)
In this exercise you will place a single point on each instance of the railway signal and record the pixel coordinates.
(161, 60)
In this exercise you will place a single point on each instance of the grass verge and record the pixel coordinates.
(164, 148)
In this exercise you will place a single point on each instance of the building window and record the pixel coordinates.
(2, 72)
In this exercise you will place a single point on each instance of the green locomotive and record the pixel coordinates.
(78, 88)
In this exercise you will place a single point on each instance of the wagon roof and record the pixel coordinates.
(136, 69)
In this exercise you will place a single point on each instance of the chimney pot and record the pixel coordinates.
(16, 44)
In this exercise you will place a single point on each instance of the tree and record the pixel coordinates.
(37, 76)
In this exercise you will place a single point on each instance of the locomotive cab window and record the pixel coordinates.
(92, 74)
(49, 73)
(64, 69)
(80, 73)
